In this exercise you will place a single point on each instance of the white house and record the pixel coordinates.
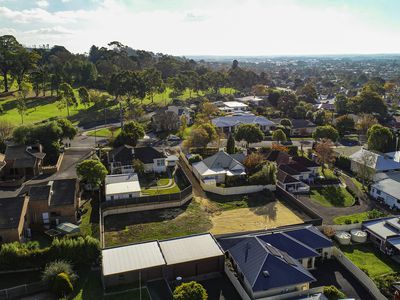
(153, 160)
(229, 123)
(122, 186)
(252, 100)
(376, 162)
(216, 168)
(233, 106)
(387, 189)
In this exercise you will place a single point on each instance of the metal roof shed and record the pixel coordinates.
(131, 258)
(191, 248)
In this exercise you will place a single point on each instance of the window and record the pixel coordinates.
(378, 192)
(112, 197)
(130, 195)
(160, 163)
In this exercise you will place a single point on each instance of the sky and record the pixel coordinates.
(209, 27)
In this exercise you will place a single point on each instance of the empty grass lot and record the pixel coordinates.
(368, 258)
(332, 196)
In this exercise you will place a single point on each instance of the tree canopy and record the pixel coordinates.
(250, 133)
(380, 138)
(92, 171)
(326, 132)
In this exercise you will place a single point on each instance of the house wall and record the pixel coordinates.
(153, 167)
(16, 234)
(236, 190)
(282, 290)
(389, 200)
(122, 196)
(62, 213)
(132, 277)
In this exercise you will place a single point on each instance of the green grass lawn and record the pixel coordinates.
(90, 219)
(358, 184)
(89, 287)
(104, 132)
(160, 224)
(328, 174)
(332, 196)
(360, 217)
(242, 201)
(368, 258)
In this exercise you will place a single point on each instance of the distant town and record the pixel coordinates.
(128, 174)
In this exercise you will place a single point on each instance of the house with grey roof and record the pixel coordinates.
(13, 219)
(276, 262)
(386, 189)
(374, 161)
(216, 168)
(385, 234)
(229, 124)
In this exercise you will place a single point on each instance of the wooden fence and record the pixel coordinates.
(23, 290)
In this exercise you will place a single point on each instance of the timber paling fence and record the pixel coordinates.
(23, 290)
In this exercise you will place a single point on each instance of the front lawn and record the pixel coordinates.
(162, 186)
(370, 259)
(104, 132)
(332, 196)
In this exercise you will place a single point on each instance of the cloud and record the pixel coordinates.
(235, 27)
(42, 3)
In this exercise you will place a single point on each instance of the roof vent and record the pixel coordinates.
(266, 273)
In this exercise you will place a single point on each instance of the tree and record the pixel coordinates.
(344, 124)
(319, 117)
(365, 122)
(202, 135)
(326, 132)
(153, 81)
(84, 96)
(287, 102)
(279, 136)
(332, 293)
(69, 131)
(341, 104)
(380, 138)
(25, 88)
(207, 111)
(138, 166)
(92, 171)
(9, 48)
(325, 155)
(308, 93)
(190, 291)
(130, 134)
(286, 123)
(6, 129)
(67, 96)
(250, 133)
(230, 146)
(21, 108)
(369, 102)
(252, 162)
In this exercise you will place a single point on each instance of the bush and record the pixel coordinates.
(62, 285)
(195, 158)
(332, 293)
(293, 150)
(375, 214)
(267, 175)
(190, 291)
(328, 231)
(347, 221)
(344, 163)
(56, 267)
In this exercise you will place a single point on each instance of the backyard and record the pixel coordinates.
(201, 215)
(359, 217)
(153, 186)
(332, 196)
(370, 259)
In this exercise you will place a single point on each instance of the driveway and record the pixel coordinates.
(331, 272)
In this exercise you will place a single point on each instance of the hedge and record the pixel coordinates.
(79, 251)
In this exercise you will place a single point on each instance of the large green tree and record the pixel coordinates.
(344, 124)
(380, 138)
(250, 133)
(92, 171)
(9, 52)
(130, 134)
(326, 132)
(190, 291)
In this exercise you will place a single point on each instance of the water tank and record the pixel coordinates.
(343, 237)
(358, 236)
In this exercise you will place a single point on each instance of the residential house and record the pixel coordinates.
(290, 183)
(386, 189)
(122, 186)
(384, 233)
(216, 168)
(54, 202)
(22, 161)
(282, 256)
(13, 219)
(170, 118)
(120, 159)
(233, 107)
(375, 162)
(250, 100)
(229, 124)
(189, 257)
(300, 127)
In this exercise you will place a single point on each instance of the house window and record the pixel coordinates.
(160, 163)
(130, 195)
(112, 197)
(378, 192)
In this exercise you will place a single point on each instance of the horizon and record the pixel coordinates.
(238, 28)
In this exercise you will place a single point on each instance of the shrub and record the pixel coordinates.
(56, 267)
(267, 175)
(195, 158)
(328, 231)
(332, 293)
(62, 285)
(347, 221)
(190, 291)
(293, 150)
(375, 214)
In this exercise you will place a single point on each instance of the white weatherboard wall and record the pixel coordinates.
(236, 190)
(388, 199)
